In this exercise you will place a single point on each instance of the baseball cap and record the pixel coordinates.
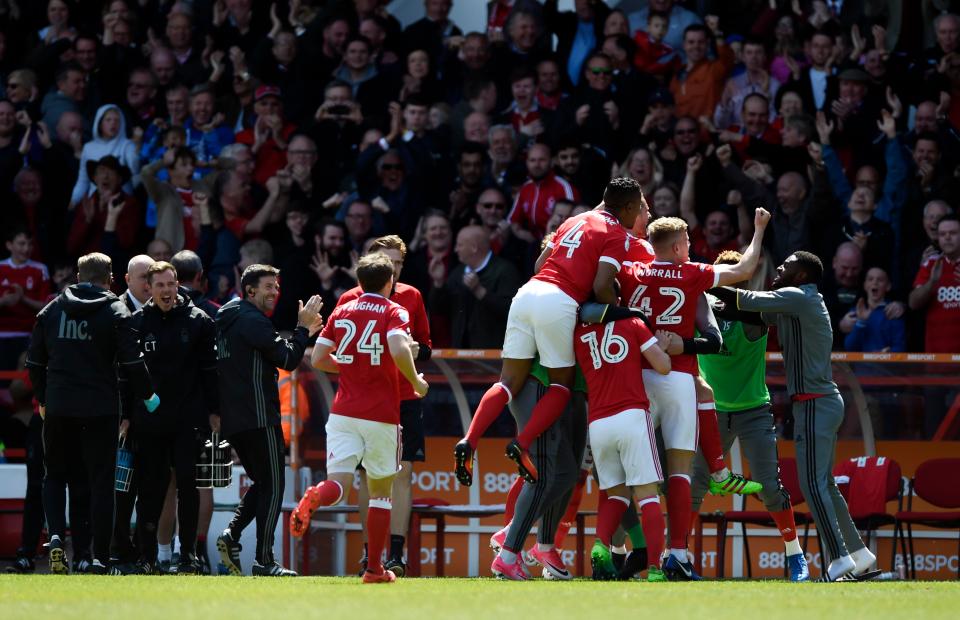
(661, 96)
(266, 91)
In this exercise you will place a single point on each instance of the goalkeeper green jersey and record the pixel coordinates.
(738, 373)
(540, 374)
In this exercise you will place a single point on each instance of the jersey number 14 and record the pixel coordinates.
(369, 342)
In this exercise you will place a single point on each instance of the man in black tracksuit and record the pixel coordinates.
(249, 350)
(83, 356)
(179, 346)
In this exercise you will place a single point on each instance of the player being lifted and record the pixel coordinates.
(364, 422)
(621, 432)
(667, 289)
(583, 262)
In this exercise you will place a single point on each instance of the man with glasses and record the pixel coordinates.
(140, 106)
(490, 211)
(595, 111)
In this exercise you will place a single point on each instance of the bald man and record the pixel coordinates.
(477, 293)
(138, 289)
(841, 287)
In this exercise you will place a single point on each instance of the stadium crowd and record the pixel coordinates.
(296, 133)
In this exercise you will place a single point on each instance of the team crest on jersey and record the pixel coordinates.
(29, 283)
(404, 315)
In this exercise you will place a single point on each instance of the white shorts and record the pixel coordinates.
(352, 441)
(625, 449)
(673, 404)
(541, 319)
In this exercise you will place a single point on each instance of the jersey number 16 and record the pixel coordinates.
(612, 349)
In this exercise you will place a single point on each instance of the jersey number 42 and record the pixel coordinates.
(668, 316)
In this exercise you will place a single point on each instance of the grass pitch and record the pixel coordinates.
(184, 598)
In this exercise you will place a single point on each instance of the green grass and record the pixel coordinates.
(326, 598)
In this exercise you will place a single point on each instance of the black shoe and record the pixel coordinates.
(463, 456)
(97, 568)
(396, 566)
(271, 569)
(525, 467)
(82, 565)
(229, 552)
(188, 565)
(23, 565)
(58, 558)
(618, 559)
(166, 567)
(363, 565)
(636, 562)
(122, 569)
(203, 559)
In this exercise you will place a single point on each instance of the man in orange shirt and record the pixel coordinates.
(698, 87)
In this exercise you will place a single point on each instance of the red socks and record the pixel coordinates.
(547, 410)
(608, 517)
(378, 528)
(573, 507)
(512, 496)
(785, 523)
(710, 436)
(326, 493)
(652, 516)
(492, 403)
(678, 510)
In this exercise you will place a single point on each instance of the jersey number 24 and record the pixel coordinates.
(369, 342)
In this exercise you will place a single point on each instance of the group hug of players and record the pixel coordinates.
(610, 317)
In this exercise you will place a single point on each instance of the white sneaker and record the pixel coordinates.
(840, 567)
(864, 560)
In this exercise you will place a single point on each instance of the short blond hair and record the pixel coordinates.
(95, 268)
(389, 242)
(728, 257)
(665, 230)
(160, 267)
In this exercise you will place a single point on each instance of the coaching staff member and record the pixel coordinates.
(249, 350)
(179, 346)
(83, 349)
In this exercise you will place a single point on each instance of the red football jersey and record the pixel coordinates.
(668, 294)
(412, 301)
(611, 358)
(640, 251)
(369, 380)
(943, 311)
(33, 278)
(583, 242)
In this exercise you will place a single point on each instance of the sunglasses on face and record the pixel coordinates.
(600, 70)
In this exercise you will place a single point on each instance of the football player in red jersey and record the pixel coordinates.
(364, 422)
(621, 431)
(666, 290)
(581, 263)
(411, 409)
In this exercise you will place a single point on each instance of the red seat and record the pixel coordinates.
(791, 482)
(935, 484)
(11, 526)
(869, 483)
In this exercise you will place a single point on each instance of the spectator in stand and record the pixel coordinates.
(338, 127)
(594, 111)
(534, 201)
(754, 136)
(679, 20)
(937, 290)
(333, 41)
(755, 79)
(524, 44)
(419, 79)
(524, 113)
(332, 262)
(32, 210)
(698, 87)
(504, 167)
(24, 290)
(584, 168)
(490, 212)
(658, 124)
(666, 201)
(433, 30)
(578, 32)
(927, 119)
(433, 260)
(68, 95)
(717, 233)
(176, 223)
(178, 111)
(369, 86)
(160, 250)
(811, 81)
(108, 210)
(642, 168)
(295, 249)
(479, 95)
(549, 84)
(359, 222)
(206, 132)
(653, 55)
(140, 103)
(872, 330)
(269, 136)
(21, 90)
(476, 127)
(110, 139)
(477, 293)
(841, 287)
(927, 243)
(305, 176)
(471, 180)
(468, 63)
(277, 61)
(928, 180)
